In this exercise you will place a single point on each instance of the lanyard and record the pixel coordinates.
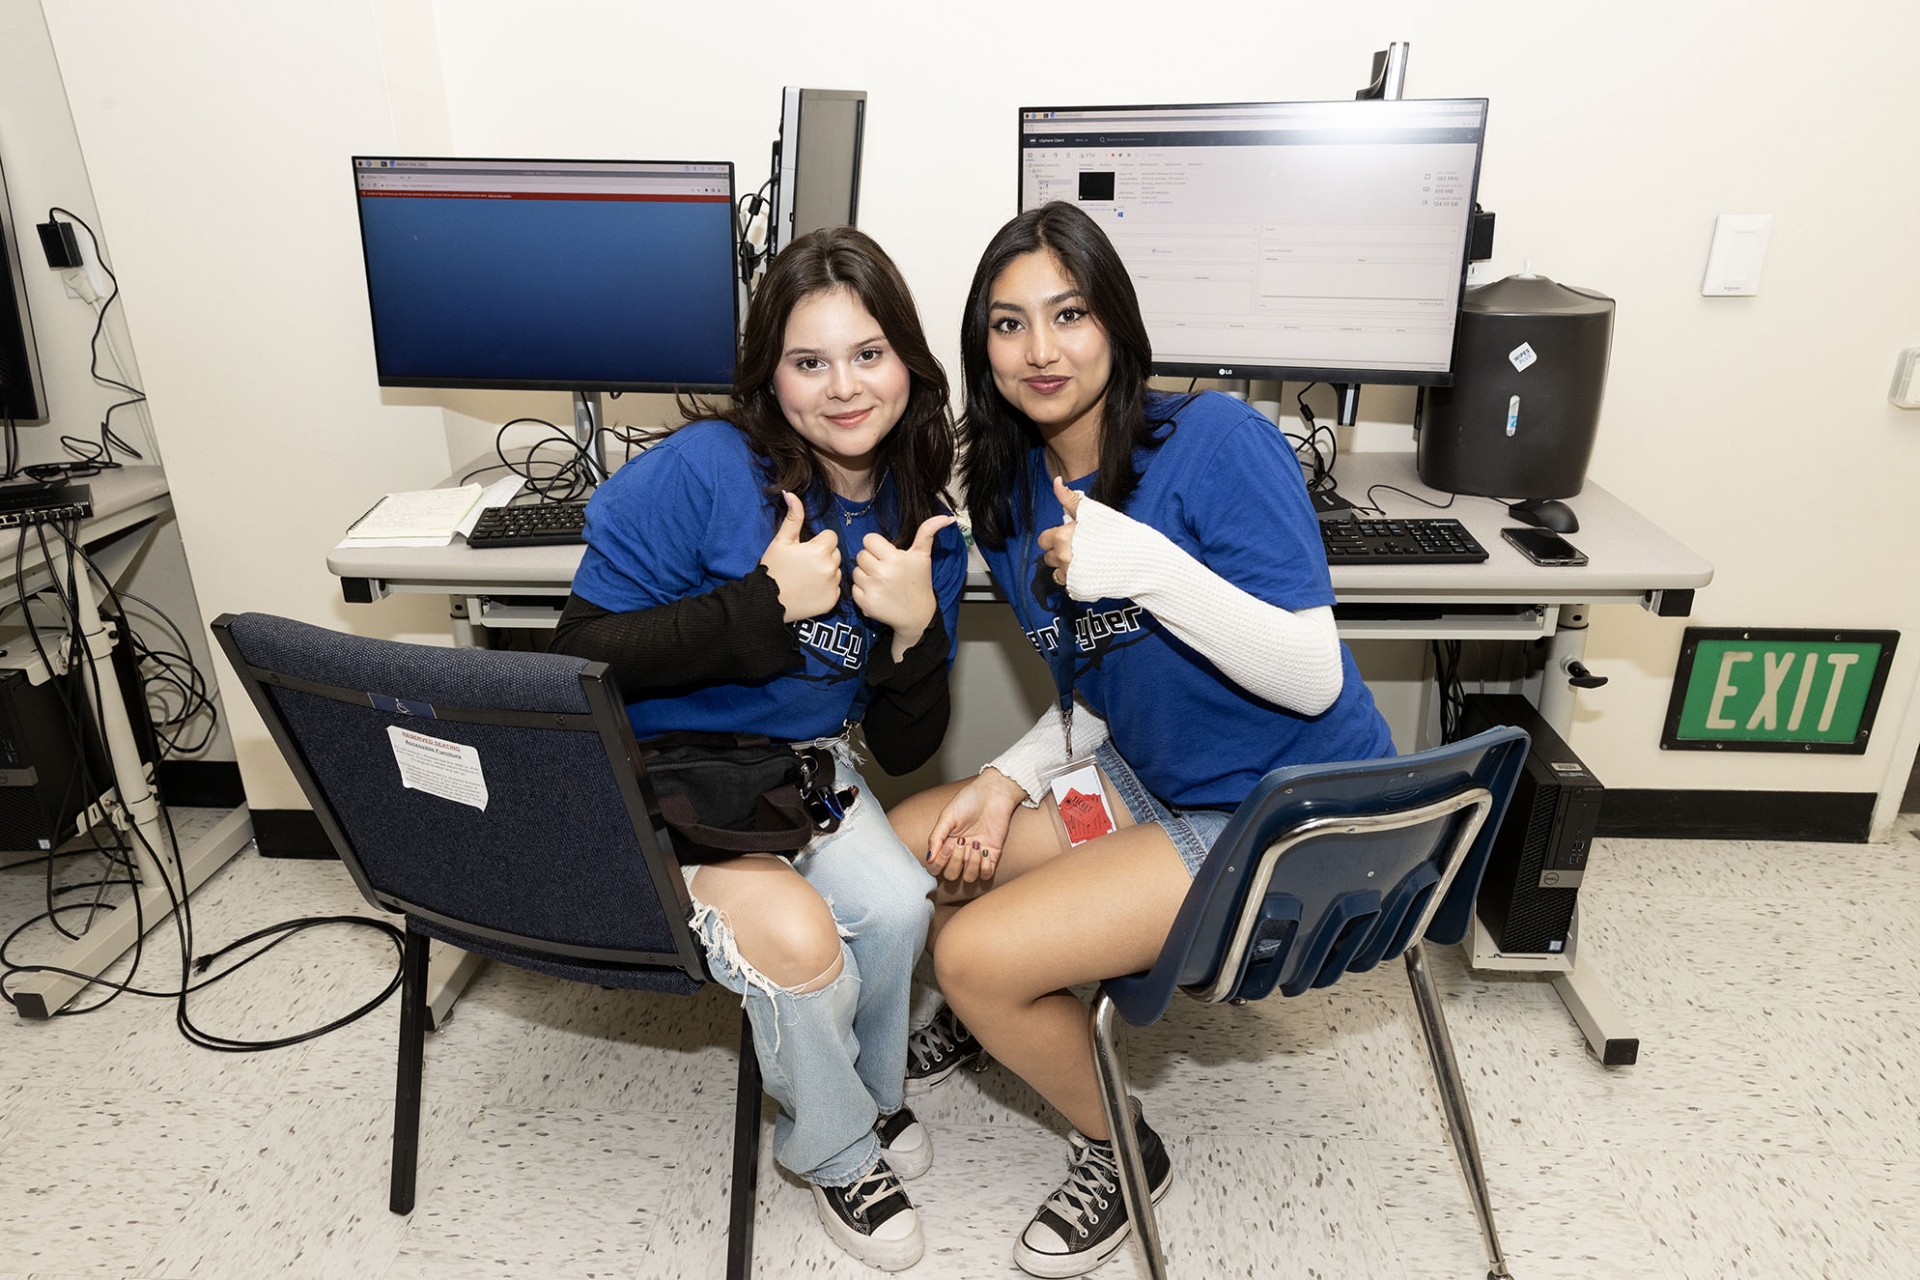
(1060, 657)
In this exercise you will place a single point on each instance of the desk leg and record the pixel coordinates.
(42, 995)
(1569, 642)
(1601, 1021)
(448, 973)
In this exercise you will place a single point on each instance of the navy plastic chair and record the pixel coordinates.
(1326, 870)
(562, 871)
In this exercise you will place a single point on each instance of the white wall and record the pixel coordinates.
(44, 168)
(1756, 429)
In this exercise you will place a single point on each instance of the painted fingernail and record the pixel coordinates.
(976, 844)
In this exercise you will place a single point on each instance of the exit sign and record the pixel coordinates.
(1747, 689)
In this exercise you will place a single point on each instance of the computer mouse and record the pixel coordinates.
(1546, 513)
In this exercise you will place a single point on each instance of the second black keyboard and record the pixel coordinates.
(538, 524)
(1420, 541)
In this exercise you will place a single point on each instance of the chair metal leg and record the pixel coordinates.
(1112, 1071)
(406, 1094)
(1453, 1098)
(746, 1159)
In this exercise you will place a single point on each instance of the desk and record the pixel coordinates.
(127, 502)
(1630, 561)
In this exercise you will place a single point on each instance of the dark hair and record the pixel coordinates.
(996, 437)
(917, 453)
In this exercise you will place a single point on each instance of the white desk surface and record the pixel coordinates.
(1628, 555)
(122, 498)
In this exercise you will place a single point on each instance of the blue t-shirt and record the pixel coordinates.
(1225, 487)
(691, 514)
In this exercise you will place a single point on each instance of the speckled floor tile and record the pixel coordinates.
(628, 1051)
(1271, 1067)
(307, 1194)
(1561, 1215)
(128, 1170)
(1894, 1191)
(1765, 1217)
(554, 1194)
(1858, 1075)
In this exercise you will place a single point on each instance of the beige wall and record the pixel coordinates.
(1755, 429)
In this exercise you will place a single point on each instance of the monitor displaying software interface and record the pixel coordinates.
(1296, 240)
(554, 274)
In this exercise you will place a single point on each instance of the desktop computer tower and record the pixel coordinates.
(43, 788)
(1540, 853)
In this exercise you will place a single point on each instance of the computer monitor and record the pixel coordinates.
(23, 396)
(569, 275)
(1307, 241)
(816, 163)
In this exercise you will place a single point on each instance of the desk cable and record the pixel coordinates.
(120, 861)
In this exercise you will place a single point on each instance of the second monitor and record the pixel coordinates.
(1305, 241)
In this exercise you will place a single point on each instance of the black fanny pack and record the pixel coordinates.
(725, 794)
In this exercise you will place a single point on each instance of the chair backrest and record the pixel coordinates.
(495, 798)
(1330, 869)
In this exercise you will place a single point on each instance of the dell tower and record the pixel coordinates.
(1533, 875)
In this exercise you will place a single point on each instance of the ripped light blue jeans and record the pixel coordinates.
(836, 1059)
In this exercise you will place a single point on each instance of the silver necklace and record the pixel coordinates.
(847, 517)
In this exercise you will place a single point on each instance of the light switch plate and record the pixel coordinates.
(1906, 379)
(1739, 251)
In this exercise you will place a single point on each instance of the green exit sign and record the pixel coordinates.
(1747, 689)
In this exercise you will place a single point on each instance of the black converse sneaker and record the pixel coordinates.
(872, 1219)
(940, 1048)
(905, 1143)
(1085, 1222)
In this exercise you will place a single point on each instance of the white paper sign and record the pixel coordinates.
(438, 767)
(1522, 356)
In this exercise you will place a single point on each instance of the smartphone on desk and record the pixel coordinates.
(1544, 546)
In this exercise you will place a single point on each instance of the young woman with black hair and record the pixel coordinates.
(787, 567)
(1161, 554)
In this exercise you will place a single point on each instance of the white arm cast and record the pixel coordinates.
(1042, 749)
(1290, 659)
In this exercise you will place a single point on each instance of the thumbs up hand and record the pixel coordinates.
(1057, 543)
(806, 572)
(895, 586)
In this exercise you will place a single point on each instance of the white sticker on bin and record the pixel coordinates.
(1522, 356)
(449, 770)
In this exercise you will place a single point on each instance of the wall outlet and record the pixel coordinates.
(1906, 379)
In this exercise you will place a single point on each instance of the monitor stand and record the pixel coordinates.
(1546, 513)
(586, 431)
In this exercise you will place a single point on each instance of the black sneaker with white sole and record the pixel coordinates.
(939, 1049)
(872, 1219)
(1085, 1222)
(905, 1143)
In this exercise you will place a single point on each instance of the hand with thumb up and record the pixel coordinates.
(806, 572)
(895, 586)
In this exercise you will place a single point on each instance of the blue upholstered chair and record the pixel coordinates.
(519, 828)
(1326, 870)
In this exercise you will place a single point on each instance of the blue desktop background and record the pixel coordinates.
(584, 293)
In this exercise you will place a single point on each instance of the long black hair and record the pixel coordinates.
(917, 453)
(997, 438)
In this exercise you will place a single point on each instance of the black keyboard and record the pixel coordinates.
(539, 524)
(1399, 542)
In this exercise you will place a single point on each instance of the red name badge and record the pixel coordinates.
(1085, 816)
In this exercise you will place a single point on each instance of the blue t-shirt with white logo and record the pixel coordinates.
(690, 514)
(1226, 488)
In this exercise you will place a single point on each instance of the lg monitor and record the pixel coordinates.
(570, 275)
(1306, 241)
(817, 162)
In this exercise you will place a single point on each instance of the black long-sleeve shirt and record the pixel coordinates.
(737, 632)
